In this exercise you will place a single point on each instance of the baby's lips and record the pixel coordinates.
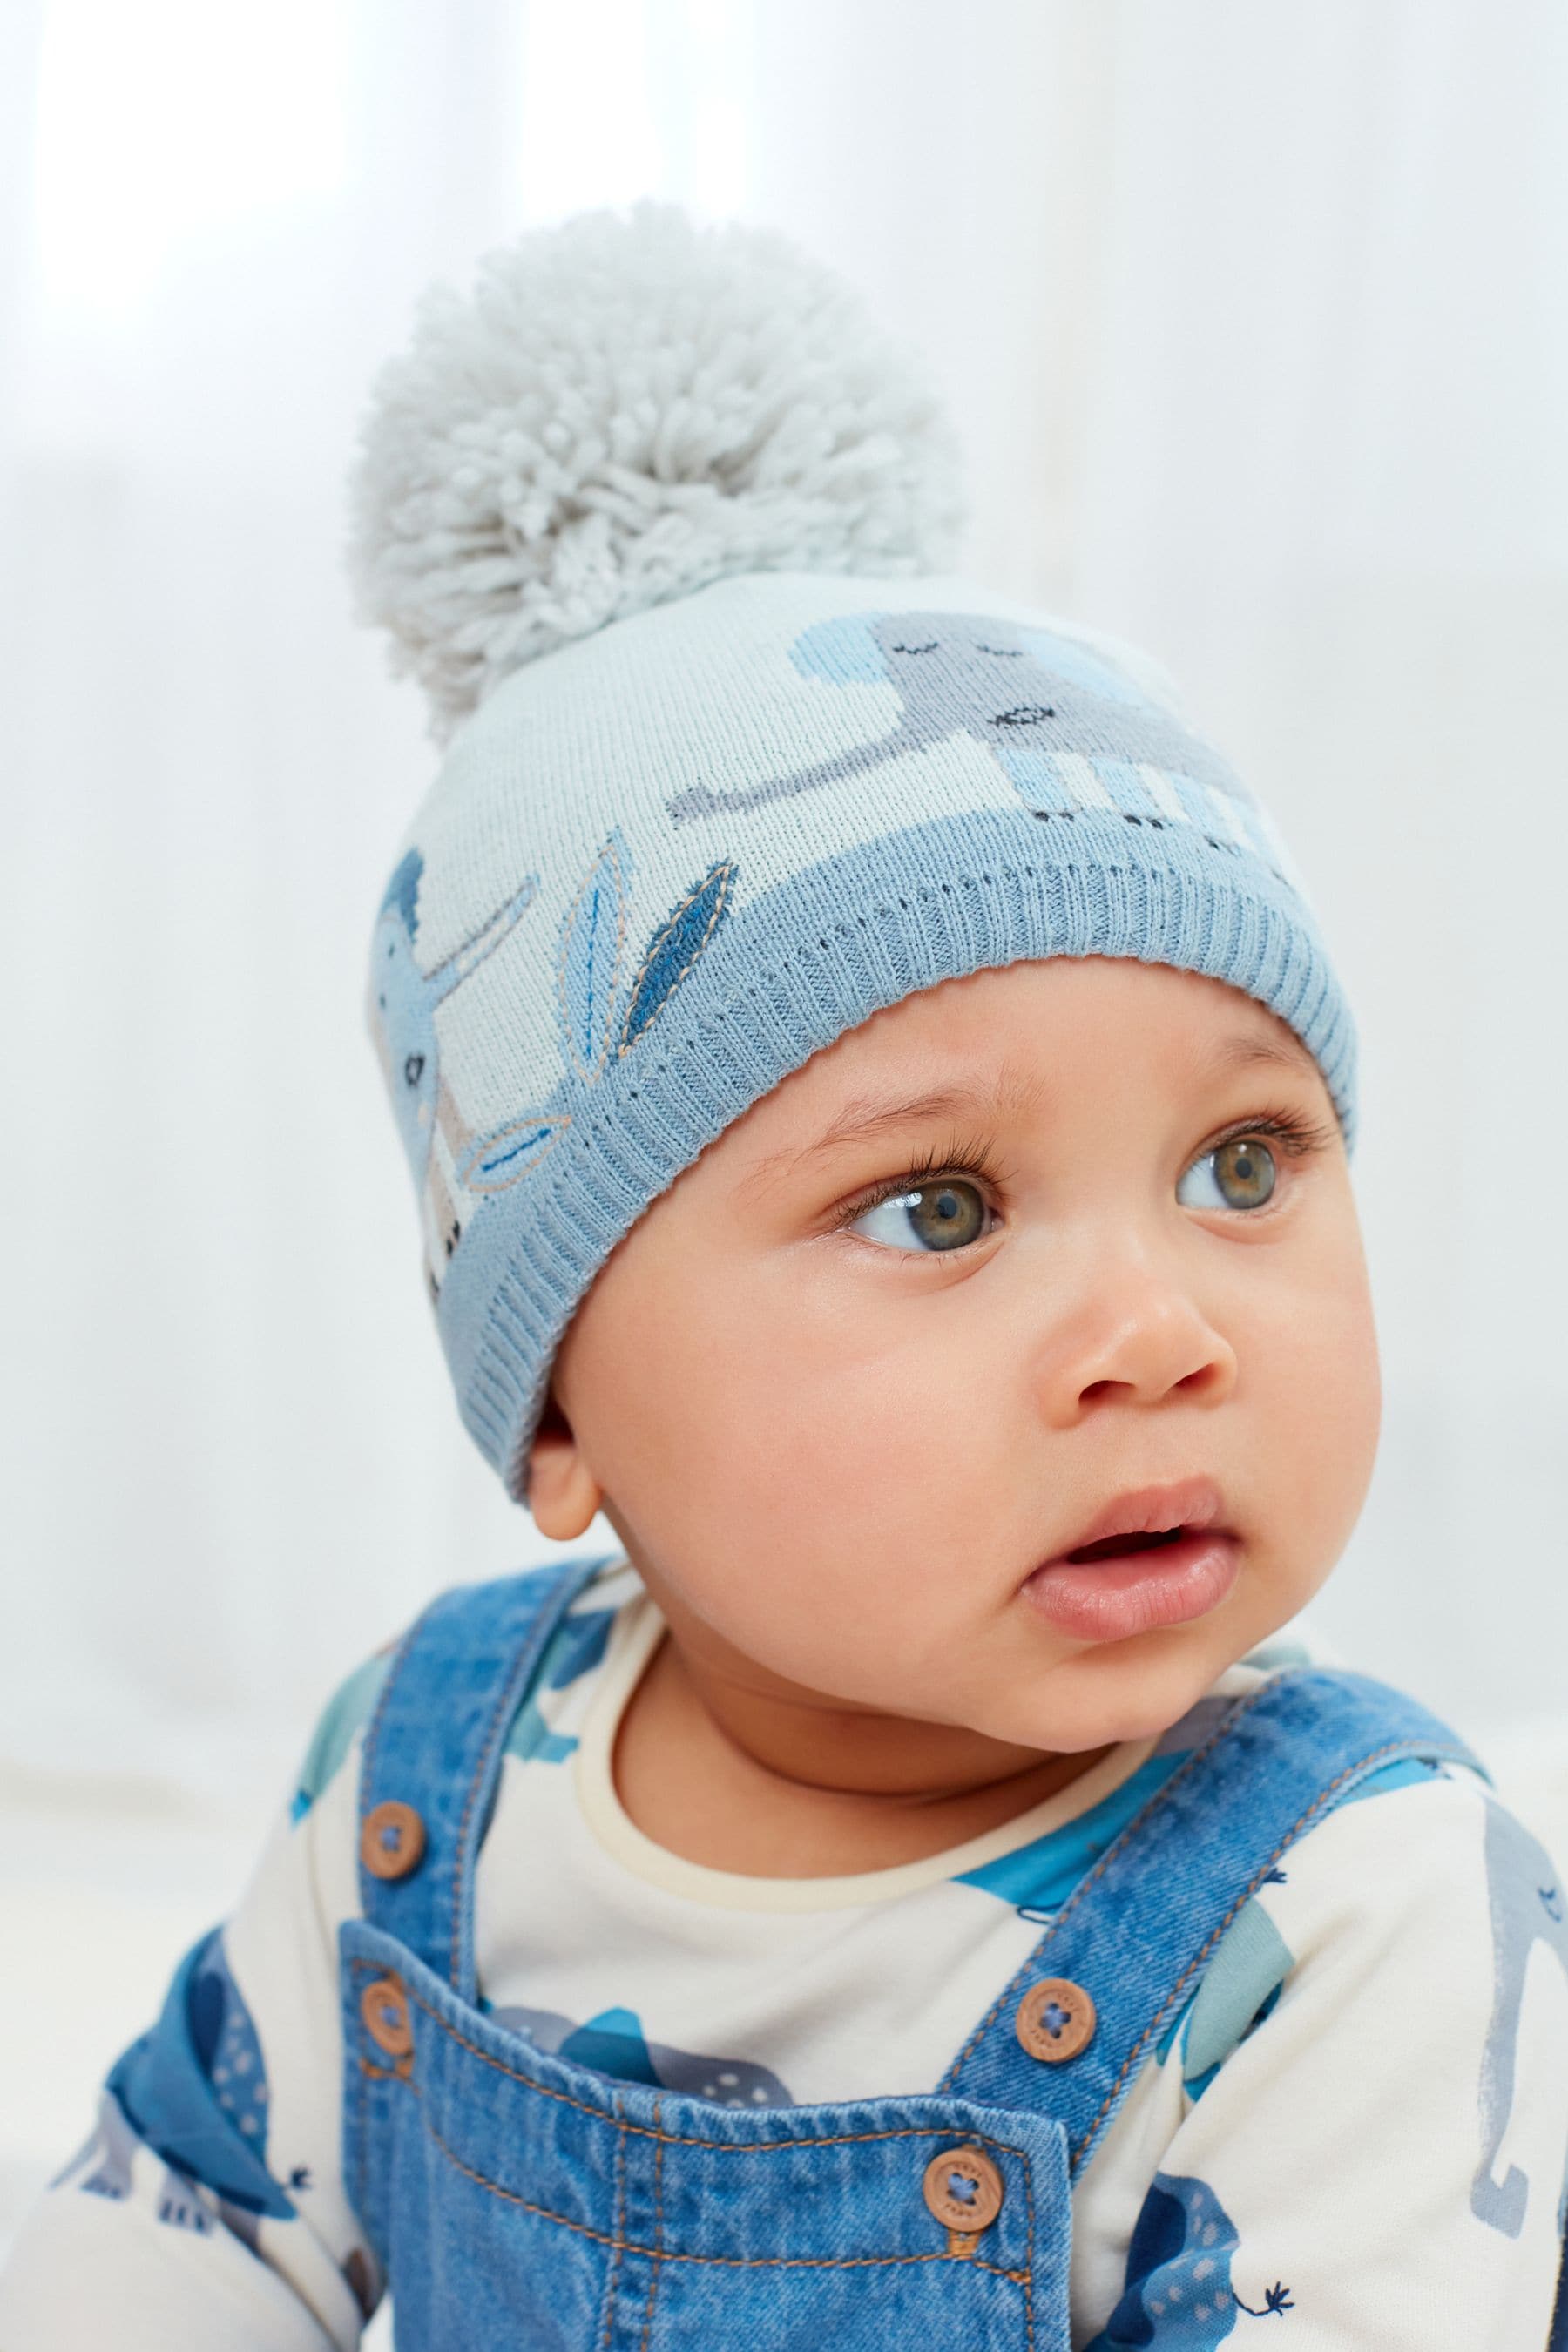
(1114, 1595)
(1195, 1504)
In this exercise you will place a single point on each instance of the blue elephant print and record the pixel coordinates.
(179, 2203)
(575, 1647)
(614, 2042)
(1178, 2291)
(193, 2091)
(1527, 1908)
(111, 2150)
(1047, 708)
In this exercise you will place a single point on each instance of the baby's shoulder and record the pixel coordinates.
(1417, 1852)
(577, 1644)
(1405, 1889)
(1417, 1835)
(340, 1724)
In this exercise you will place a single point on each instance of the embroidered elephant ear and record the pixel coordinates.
(676, 947)
(843, 650)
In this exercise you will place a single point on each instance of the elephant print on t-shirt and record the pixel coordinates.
(613, 2042)
(1527, 1908)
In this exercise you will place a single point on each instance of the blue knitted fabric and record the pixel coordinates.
(662, 865)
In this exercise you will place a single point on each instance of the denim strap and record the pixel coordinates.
(436, 1743)
(1138, 1930)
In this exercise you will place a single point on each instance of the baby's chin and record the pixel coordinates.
(1111, 1694)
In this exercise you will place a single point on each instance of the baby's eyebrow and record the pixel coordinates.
(1014, 1094)
(1243, 1051)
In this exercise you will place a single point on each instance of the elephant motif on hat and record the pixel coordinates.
(601, 1007)
(1045, 706)
(404, 1000)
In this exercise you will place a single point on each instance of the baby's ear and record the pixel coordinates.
(563, 1494)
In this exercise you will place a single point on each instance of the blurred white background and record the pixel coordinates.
(1253, 318)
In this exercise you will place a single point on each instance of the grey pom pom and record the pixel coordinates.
(623, 411)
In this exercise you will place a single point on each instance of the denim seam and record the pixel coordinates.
(372, 1737)
(657, 2228)
(361, 2133)
(1112, 1853)
(674, 2139)
(1029, 2254)
(723, 2262)
(459, 1860)
(1319, 1803)
(362, 2129)
(658, 2252)
(620, 2231)
(543, 1622)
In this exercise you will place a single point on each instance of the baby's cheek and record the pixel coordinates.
(1320, 1400)
(861, 1497)
(836, 1392)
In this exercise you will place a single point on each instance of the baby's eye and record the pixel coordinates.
(1237, 1175)
(944, 1215)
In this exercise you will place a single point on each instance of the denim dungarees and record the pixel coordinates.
(514, 2197)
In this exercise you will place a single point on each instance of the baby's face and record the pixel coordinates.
(844, 1388)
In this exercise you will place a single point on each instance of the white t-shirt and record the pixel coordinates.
(1326, 2083)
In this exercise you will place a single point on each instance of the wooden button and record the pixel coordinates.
(392, 1841)
(383, 2006)
(1056, 2020)
(964, 2189)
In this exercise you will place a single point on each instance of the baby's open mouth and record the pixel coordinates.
(1111, 1547)
(1155, 1556)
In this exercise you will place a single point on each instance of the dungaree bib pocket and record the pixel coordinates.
(514, 2197)
(518, 2198)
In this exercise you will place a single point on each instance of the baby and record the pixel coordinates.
(879, 1103)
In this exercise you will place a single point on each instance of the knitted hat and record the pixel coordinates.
(659, 521)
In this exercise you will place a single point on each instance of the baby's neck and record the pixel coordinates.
(775, 1791)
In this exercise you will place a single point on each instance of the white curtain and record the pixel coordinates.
(1253, 317)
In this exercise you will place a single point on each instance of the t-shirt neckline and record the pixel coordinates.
(634, 1636)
